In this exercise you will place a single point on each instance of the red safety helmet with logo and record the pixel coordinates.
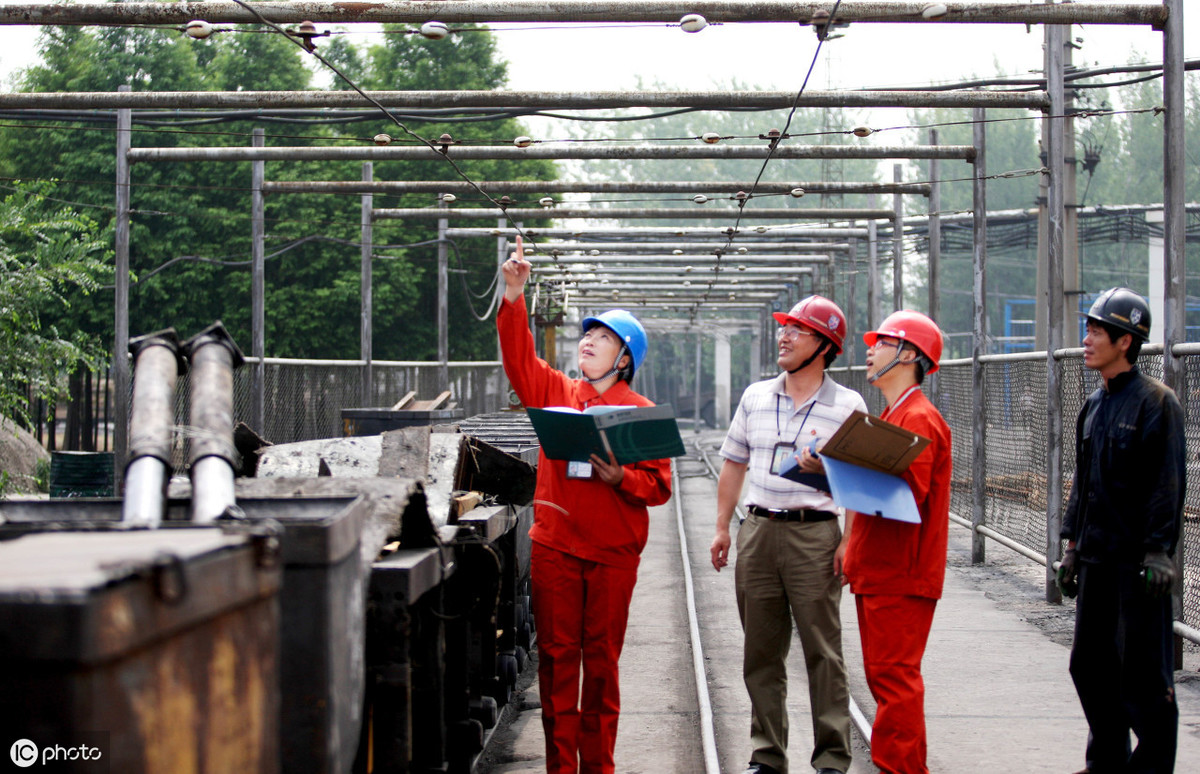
(818, 314)
(913, 327)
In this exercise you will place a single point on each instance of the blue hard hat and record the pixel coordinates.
(627, 327)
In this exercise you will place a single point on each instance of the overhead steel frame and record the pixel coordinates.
(1167, 17)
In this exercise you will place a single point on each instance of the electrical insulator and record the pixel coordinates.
(383, 139)
(699, 198)
(434, 30)
(796, 193)
(712, 138)
(522, 142)
(693, 22)
(862, 131)
(198, 29)
(449, 198)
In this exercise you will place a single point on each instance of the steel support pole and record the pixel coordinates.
(120, 362)
(935, 232)
(1174, 235)
(501, 257)
(979, 338)
(897, 242)
(874, 304)
(851, 302)
(1055, 224)
(258, 304)
(443, 285)
(697, 391)
(366, 323)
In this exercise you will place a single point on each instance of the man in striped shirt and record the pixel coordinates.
(790, 548)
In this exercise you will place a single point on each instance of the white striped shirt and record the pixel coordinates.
(765, 417)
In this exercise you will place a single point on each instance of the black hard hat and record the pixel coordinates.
(1123, 309)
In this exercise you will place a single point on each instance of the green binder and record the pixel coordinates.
(632, 433)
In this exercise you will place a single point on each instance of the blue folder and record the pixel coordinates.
(870, 492)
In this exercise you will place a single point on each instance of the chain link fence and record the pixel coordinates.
(1015, 418)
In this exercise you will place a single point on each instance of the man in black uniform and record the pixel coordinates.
(1121, 526)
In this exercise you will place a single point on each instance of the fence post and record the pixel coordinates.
(1055, 221)
(979, 339)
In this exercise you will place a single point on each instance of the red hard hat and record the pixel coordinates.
(818, 314)
(913, 327)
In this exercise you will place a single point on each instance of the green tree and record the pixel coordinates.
(190, 234)
(44, 253)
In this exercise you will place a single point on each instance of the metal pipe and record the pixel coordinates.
(1055, 222)
(120, 367)
(746, 273)
(979, 337)
(258, 284)
(935, 233)
(582, 151)
(742, 249)
(630, 11)
(647, 213)
(157, 364)
(640, 232)
(598, 187)
(700, 261)
(897, 242)
(366, 313)
(212, 455)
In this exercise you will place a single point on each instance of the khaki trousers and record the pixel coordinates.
(784, 574)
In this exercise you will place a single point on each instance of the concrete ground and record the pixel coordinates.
(999, 699)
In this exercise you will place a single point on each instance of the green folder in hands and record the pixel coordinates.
(631, 433)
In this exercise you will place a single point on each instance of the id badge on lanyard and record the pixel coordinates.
(783, 451)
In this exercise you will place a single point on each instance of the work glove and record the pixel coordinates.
(1068, 569)
(1158, 571)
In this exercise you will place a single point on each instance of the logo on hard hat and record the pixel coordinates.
(833, 322)
(1135, 315)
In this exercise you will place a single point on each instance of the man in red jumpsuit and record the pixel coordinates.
(588, 532)
(896, 569)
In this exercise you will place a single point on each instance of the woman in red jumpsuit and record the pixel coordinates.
(588, 533)
(896, 569)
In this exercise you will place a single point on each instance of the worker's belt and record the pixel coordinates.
(800, 514)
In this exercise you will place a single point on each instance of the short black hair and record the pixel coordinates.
(1114, 333)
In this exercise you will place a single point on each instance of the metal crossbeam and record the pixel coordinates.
(444, 101)
(553, 152)
(618, 11)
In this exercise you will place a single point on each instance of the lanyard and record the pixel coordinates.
(779, 430)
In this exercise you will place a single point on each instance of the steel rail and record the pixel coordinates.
(577, 11)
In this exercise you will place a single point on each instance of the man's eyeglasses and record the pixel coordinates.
(792, 332)
(893, 344)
